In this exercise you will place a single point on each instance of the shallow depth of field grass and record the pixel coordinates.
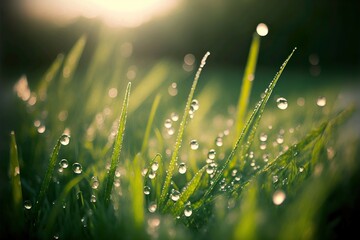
(163, 155)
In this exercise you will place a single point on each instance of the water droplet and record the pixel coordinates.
(280, 139)
(152, 207)
(41, 129)
(64, 140)
(77, 168)
(188, 210)
(195, 105)
(182, 168)
(211, 168)
(174, 117)
(194, 144)
(263, 146)
(219, 141)
(171, 131)
(147, 190)
(95, 182)
(63, 163)
(321, 101)
(172, 90)
(212, 154)
(263, 137)
(301, 169)
(117, 173)
(234, 172)
(56, 236)
(279, 197)
(93, 198)
(175, 195)
(117, 183)
(282, 103)
(168, 123)
(27, 204)
(262, 29)
(60, 170)
(265, 157)
(155, 166)
(275, 179)
(152, 174)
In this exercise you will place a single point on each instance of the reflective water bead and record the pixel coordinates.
(275, 179)
(65, 139)
(219, 141)
(168, 123)
(195, 104)
(321, 101)
(175, 195)
(77, 168)
(93, 198)
(152, 174)
(174, 117)
(212, 154)
(194, 144)
(282, 103)
(188, 210)
(155, 166)
(279, 197)
(182, 168)
(263, 137)
(27, 204)
(95, 182)
(301, 169)
(152, 207)
(63, 163)
(146, 190)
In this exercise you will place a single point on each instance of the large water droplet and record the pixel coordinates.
(282, 103)
(194, 144)
(95, 182)
(170, 131)
(182, 168)
(175, 195)
(168, 123)
(174, 117)
(77, 168)
(195, 105)
(262, 29)
(321, 101)
(152, 174)
(188, 210)
(280, 139)
(152, 207)
(211, 168)
(279, 197)
(147, 190)
(27, 204)
(212, 154)
(65, 139)
(263, 137)
(219, 141)
(63, 163)
(155, 166)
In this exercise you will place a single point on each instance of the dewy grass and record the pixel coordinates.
(117, 145)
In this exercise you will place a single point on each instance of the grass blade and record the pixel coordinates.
(14, 174)
(48, 176)
(247, 82)
(149, 123)
(179, 138)
(136, 190)
(117, 145)
(248, 132)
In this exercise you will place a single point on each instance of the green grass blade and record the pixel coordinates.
(14, 174)
(117, 145)
(249, 129)
(247, 82)
(179, 138)
(48, 176)
(188, 192)
(136, 191)
(150, 123)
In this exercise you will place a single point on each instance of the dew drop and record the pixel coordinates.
(282, 103)
(279, 197)
(63, 163)
(219, 141)
(77, 168)
(168, 123)
(188, 210)
(175, 195)
(262, 29)
(195, 105)
(172, 90)
(194, 144)
(280, 139)
(146, 190)
(263, 137)
(155, 166)
(64, 140)
(301, 169)
(93, 198)
(211, 154)
(210, 168)
(174, 117)
(182, 168)
(60, 170)
(152, 207)
(95, 182)
(275, 179)
(117, 173)
(170, 131)
(27, 204)
(263, 146)
(152, 174)
(321, 101)
(117, 183)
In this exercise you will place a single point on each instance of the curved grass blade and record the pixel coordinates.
(188, 192)
(117, 145)
(149, 123)
(248, 132)
(247, 82)
(179, 138)
(14, 174)
(48, 175)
